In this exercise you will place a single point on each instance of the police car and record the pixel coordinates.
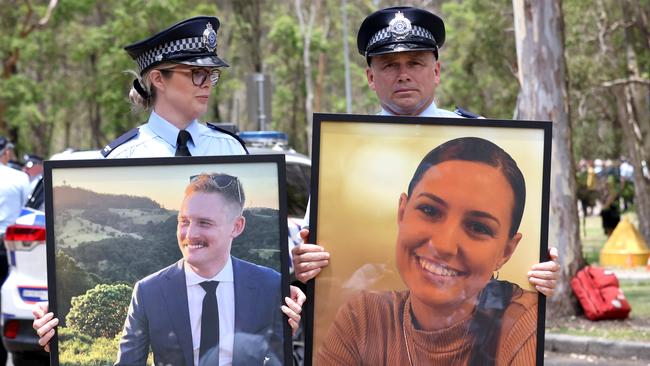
(26, 283)
(25, 243)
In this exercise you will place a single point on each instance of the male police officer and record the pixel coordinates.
(401, 47)
(33, 168)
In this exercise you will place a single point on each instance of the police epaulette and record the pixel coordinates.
(229, 133)
(463, 113)
(119, 141)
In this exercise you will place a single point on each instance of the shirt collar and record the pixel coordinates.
(429, 111)
(225, 275)
(168, 132)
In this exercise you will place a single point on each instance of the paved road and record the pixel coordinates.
(564, 359)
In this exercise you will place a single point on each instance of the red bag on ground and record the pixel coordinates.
(599, 294)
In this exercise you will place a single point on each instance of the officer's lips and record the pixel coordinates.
(203, 98)
(405, 91)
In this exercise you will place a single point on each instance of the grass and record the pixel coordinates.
(593, 238)
(637, 292)
(635, 328)
(622, 333)
(638, 295)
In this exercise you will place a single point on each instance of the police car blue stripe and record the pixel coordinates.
(39, 220)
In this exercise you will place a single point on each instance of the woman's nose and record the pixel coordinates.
(444, 241)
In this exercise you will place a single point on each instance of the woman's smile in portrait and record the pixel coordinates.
(454, 233)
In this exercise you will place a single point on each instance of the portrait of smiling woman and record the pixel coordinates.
(457, 225)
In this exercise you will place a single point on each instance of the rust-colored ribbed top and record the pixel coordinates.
(371, 330)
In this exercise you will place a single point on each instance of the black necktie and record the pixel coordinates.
(209, 319)
(181, 143)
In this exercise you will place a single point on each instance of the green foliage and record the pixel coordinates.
(259, 241)
(479, 58)
(107, 260)
(594, 58)
(79, 349)
(69, 88)
(101, 311)
(71, 281)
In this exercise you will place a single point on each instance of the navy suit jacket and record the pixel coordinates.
(159, 317)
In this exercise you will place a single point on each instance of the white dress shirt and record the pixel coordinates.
(430, 111)
(226, 303)
(14, 191)
(157, 138)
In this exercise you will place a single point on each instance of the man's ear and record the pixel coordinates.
(371, 77)
(436, 71)
(238, 226)
(509, 250)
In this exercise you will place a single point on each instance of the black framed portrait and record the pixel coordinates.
(138, 249)
(432, 225)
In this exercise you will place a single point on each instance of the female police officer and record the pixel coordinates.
(177, 69)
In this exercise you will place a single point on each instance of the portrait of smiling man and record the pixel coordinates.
(231, 312)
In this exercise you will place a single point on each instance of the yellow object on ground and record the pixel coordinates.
(625, 247)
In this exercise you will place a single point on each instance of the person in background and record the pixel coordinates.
(33, 167)
(14, 191)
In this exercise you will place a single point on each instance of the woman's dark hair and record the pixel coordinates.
(482, 151)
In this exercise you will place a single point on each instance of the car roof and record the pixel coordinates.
(290, 155)
(71, 154)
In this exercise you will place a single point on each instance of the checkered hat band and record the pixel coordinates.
(386, 34)
(157, 54)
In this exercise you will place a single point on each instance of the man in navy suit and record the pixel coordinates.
(167, 307)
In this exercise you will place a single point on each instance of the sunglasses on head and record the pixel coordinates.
(223, 181)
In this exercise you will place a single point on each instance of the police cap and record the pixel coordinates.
(191, 42)
(31, 160)
(5, 143)
(400, 29)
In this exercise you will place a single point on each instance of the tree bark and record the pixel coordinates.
(633, 115)
(306, 27)
(630, 95)
(542, 74)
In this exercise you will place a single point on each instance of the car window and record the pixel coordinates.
(298, 177)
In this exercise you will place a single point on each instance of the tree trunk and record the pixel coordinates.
(630, 94)
(542, 74)
(306, 28)
(632, 108)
